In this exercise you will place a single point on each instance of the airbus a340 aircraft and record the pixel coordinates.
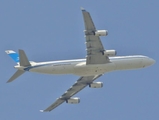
(97, 62)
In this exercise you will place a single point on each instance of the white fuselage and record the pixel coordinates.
(79, 67)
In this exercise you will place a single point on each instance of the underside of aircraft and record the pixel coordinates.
(98, 61)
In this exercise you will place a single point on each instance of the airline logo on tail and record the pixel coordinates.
(13, 55)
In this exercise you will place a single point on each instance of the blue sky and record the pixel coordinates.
(53, 30)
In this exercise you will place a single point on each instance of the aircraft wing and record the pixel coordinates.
(95, 49)
(81, 83)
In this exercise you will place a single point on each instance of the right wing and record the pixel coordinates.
(95, 49)
(81, 83)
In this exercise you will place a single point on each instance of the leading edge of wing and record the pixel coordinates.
(81, 83)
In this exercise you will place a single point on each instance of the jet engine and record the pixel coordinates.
(110, 52)
(101, 33)
(96, 85)
(74, 100)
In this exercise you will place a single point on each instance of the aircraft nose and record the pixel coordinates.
(149, 61)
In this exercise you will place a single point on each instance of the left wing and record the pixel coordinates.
(81, 83)
(94, 47)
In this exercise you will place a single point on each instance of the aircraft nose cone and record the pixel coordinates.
(149, 61)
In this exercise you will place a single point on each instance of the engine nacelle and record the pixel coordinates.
(74, 100)
(96, 85)
(101, 33)
(110, 53)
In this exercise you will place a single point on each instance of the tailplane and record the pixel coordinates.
(16, 75)
(20, 59)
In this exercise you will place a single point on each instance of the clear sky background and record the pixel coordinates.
(53, 30)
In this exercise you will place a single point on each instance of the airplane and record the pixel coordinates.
(98, 61)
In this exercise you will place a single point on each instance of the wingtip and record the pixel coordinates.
(83, 9)
(41, 110)
(7, 82)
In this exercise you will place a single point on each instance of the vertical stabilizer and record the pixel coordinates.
(23, 59)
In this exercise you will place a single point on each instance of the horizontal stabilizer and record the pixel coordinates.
(16, 74)
(23, 59)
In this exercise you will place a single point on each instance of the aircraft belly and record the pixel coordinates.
(94, 69)
(64, 69)
(53, 69)
(42, 69)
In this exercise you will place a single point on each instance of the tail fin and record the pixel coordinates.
(13, 55)
(21, 59)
